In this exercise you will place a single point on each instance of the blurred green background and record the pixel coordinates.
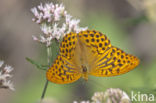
(128, 26)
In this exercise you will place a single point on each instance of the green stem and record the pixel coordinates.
(44, 90)
(49, 55)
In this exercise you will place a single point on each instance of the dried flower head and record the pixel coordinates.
(111, 96)
(54, 22)
(5, 76)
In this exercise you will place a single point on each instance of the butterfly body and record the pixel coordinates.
(89, 53)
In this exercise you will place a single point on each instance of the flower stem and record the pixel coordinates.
(44, 90)
(49, 55)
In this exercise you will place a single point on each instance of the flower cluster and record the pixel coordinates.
(5, 75)
(111, 95)
(54, 22)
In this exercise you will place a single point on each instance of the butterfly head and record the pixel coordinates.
(84, 73)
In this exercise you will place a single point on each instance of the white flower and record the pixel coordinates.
(38, 15)
(67, 18)
(73, 24)
(8, 69)
(98, 97)
(5, 75)
(46, 29)
(8, 84)
(42, 39)
(54, 22)
(58, 11)
(34, 38)
(35, 12)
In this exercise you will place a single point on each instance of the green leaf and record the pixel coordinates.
(39, 66)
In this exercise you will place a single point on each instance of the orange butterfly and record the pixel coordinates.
(89, 53)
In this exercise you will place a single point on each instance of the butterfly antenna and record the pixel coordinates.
(44, 90)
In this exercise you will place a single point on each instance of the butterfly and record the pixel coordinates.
(88, 53)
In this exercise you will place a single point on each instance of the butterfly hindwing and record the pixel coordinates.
(62, 71)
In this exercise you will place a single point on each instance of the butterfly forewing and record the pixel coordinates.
(96, 41)
(68, 45)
